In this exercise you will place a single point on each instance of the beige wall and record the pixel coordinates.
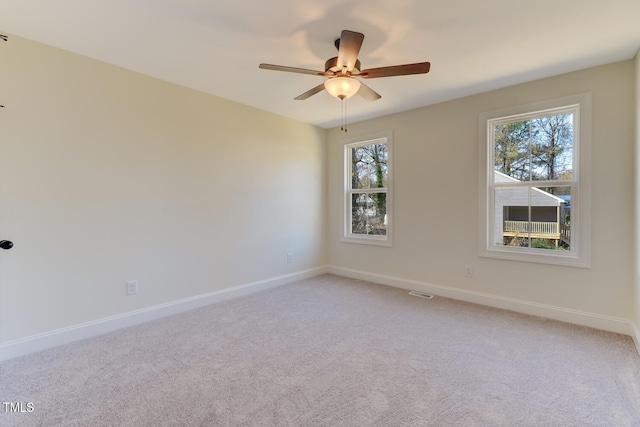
(637, 200)
(107, 175)
(436, 199)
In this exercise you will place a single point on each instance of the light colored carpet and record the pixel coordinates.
(331, 351)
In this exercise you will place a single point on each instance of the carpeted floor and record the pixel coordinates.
(331, 351)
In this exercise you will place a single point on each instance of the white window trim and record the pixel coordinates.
(345, 234)
(580, 254)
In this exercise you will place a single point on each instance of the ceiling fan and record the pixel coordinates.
(344, 71)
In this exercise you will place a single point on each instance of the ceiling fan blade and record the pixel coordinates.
(310, 92)
(395, 70)
(367, 93)
(291, 69)
(349, 47)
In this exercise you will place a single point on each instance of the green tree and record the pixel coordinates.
(511, 149)
(379, 156)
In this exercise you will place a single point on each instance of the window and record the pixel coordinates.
(367, 195)
(534, 183)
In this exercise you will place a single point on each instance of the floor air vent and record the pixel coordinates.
(421, 294)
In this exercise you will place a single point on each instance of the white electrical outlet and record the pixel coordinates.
(289, 258)
(468, 271)
(132, 287)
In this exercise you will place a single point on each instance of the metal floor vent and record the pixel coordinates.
(421, 294)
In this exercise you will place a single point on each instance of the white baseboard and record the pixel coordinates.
(597, 321)
(80, 331)
(72, 333)
(636, 336)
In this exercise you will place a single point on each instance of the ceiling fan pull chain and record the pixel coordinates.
(343, 114)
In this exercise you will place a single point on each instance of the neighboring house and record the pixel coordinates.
(548, 213)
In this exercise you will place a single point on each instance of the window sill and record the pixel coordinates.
(373, 241)
(543, 256)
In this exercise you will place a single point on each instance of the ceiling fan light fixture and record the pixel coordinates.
(342, 86)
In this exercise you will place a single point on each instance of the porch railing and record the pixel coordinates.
(533, 227)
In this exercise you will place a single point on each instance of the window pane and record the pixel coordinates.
(533, 217)
(369, 166)
(369, 213)
(552, 147)
(511, 216)
(511, 149)
(537, 149)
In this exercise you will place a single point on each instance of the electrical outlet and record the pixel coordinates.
(468, 271)
(289, 258)
(132, 287)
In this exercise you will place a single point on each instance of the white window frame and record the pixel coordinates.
(580, 253)
(385, 137)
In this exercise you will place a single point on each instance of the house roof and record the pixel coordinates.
(215, 47)
(552, 199)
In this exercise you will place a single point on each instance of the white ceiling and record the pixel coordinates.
(216, 46)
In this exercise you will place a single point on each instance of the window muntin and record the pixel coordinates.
(534, 204)
(367, 201)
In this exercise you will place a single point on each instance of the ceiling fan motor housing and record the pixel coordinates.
(332, 66)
